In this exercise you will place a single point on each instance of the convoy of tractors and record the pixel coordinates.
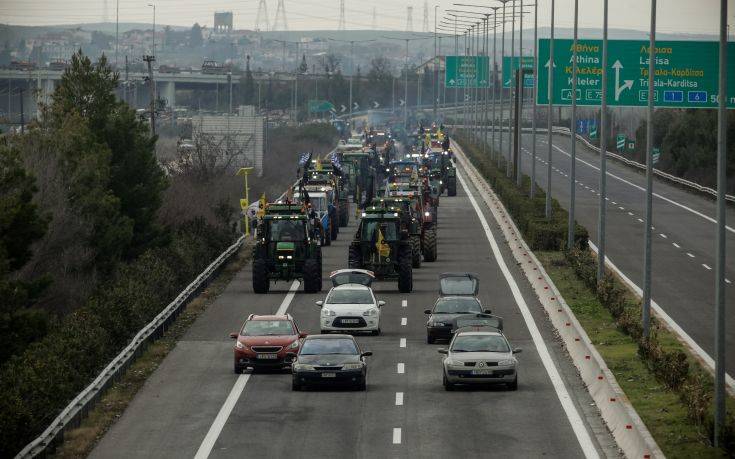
(395, 185)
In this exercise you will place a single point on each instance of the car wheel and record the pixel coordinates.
(238, 370)
(375, 332)
(513, 385)
(447, 385)
(295, 386)
(430, 339)
(362, 386)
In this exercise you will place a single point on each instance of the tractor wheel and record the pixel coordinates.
(333, 226)
(261, 283)
(344, 213)
(452, 188)
(405, 274)
(312, 276)
(416, 251)
(354, 260)
(430, 244)
(326, 239)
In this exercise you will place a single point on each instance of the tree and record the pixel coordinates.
(135, 177)
(195, 37)
(303, 67)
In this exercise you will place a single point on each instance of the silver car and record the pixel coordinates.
(479, 355)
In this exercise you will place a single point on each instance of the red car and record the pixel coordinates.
(267, 342)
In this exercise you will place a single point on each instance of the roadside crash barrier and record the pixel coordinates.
(72, 416)
(629, 431)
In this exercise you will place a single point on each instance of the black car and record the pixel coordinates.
(446, 310)
(330, 360)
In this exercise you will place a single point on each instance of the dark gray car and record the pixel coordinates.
(330, 360)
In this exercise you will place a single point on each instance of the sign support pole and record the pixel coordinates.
(494, 76)
(720, 347)
(573, 128)
(502, 53)
(649, 179)
(508, 165)
(550, 115)
(533, 111)
(603, 155)
(520, 87)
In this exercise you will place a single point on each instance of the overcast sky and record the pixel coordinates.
(686, 16)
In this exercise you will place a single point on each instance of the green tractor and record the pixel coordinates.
(324, 176)
(441, 166)
(285, 250)
(360, 174)
(381, 246)
(417, 219)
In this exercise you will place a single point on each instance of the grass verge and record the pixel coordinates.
(667, 386)
(79, 442)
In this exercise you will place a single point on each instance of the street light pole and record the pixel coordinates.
(502, 53)
(573, 128)
(117, 29)
(534, 93)
(519, 115)
(435, 70)
(494, 74)
(603, 155)
(549, 121)
(508, 165)
(649, 179)
(153, 51)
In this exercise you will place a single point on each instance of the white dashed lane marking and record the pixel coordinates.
(399, 398)
(404, 321)
(676, 245)
(690, 255)
(396, 435)
(401, 368)
(402, 343)
(404, 303)
(706, 267)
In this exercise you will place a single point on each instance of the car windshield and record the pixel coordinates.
(287, 230)
(458, 285)
(480, 343)
(457, 306)
(267, 328)
(322, 346)
(371, 230)
(350, 296)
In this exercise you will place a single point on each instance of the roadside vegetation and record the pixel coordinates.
(96, 239)
(667, 386)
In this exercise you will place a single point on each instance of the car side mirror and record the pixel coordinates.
(517, 350)
(443, 351)
(303, 335)
(233, 335)
(381, 303)
(487, 311)
(427, 311)
(366, 354)
(319, 303)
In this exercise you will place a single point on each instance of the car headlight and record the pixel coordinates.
(241, 346)
(328, 312)
(450, 362)
(507, 362)
(426, 214)
(352, 366)
(302, 367)
(294, 345)
(441, 182)
(371, 312)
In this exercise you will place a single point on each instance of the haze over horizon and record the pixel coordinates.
(674, 16)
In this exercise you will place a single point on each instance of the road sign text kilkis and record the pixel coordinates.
(686, 74)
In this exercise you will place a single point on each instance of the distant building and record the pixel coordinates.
(223, 22)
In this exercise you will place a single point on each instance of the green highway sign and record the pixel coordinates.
(593, 130)
(631, 145)
(656, 154)
(687, 73)
(620, 141)
(467, 72)
(510, 64)
(320, 106)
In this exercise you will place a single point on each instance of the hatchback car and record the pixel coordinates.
(266, 342)
(330, 360)
(479, 355)
(446, 310)
(350, 304)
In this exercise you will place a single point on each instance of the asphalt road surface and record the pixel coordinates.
(195, 406)
(683, 251)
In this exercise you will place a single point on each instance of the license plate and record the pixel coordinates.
(350, 321)
(268, 356)
(329, 375)
(482, 372)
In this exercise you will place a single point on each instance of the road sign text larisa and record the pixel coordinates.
(686, 74)
(467, 72)
(509, 66)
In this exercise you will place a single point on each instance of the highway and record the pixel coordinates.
(195, 406)
(683, 249)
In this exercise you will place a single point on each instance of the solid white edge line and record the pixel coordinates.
(402, 342)
(401, 368)
(205, 448)
(399, 398)
(404, 321)
(670, 201)
(684, 336)
(396, 435)
(578, 426)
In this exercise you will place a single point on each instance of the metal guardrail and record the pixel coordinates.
(71, 416)
(635, 164)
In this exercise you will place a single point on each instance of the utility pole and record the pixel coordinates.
(153, 51)
(117, 29)
(126, 87)
(22, 113)
(152, 90)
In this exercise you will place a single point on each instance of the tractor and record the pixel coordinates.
(418, 218)
(285, 249)
(381, 246)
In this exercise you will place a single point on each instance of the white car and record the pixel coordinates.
(350, 304)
